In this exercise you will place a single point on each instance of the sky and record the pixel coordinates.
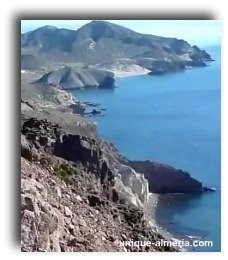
(196, 32)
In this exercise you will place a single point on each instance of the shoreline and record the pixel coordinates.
(121, 74)
(149, 210)
(151, 205)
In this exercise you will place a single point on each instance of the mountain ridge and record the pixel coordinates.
(101, 41)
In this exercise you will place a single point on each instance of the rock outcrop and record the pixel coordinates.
(66, 204)
(131, 185)
(96, 156)
(69, 78)
(166, 179)
(79, 194)
(133, 179)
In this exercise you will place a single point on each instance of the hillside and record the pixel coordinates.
(69, 78)
(72, 199)
(78, 193)
(99, 42)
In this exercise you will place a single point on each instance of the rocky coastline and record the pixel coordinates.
(77, 192)
(110, 184)
(70, 197)
(103, 76)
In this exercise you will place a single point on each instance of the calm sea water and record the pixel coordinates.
(173, 119)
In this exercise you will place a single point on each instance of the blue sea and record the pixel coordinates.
(173, 119)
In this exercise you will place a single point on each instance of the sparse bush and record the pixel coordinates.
(66, 172)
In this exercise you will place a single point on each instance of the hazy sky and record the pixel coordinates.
(199, 32)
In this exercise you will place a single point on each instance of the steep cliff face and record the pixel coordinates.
(68, 179)
(115, 177)
(70, 202)
(117, 180)
(131, 185)
(119, 177)
(76, 148)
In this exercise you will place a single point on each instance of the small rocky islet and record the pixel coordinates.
(77, 192)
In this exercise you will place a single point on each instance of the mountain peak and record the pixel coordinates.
(99, 22)
(102, 29)
(101, 41)
(47, 28)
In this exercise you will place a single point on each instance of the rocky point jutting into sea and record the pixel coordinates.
(77, 192)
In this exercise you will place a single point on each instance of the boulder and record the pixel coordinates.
(27, 151)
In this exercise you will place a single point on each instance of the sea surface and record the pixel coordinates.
(173, 119)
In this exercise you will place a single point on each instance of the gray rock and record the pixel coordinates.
(67, 211)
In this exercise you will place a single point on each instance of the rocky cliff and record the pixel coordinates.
(166, 179)
(92, 154)
(69, 197)
(66, 175)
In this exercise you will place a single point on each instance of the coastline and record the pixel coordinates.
(150, 208)
(152, 203)
(70, 194)
(154, 221)
(154, 197)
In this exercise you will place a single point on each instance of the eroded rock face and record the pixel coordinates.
(118, 180)
(87, 151)
(27, 151)
(79, 194)
(166, 179)
(77, 148)
(40, 133)
(131, 185)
